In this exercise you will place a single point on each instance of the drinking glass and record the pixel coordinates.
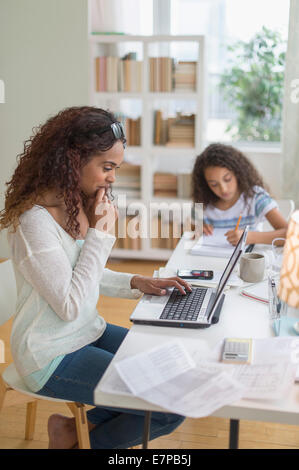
(277, 308)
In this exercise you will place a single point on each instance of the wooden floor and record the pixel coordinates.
(206, 433)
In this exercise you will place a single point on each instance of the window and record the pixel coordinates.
(224, 22)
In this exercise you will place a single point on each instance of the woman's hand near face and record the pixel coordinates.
(154, 286)
(101, 213)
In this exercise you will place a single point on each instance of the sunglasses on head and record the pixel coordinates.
(117, 129)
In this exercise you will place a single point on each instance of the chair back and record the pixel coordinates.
(286, 207)
(8, 291)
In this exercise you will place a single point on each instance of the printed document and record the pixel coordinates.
(167, 376)
(271, 373)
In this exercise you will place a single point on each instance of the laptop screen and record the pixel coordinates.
(234, 257)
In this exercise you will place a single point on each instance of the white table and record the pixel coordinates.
(240, 317)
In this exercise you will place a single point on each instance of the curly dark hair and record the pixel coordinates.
(53, 157)
(225, 156)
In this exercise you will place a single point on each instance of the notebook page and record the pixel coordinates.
(213, 245)
(217, 239)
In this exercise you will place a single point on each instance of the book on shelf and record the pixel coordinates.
(161, 74)
(165, 185)
(184, 185)
(176, 131)
(164, 234)
(128, 181)
(166, 74)
(185, 76)
(132, 128)
(123, 239)
(114, 74)
(181, 131)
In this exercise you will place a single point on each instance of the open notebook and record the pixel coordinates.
(213, 245)
(258, 291)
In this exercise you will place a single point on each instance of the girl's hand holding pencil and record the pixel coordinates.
(233, 236)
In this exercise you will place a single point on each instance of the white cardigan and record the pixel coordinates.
(58, 285)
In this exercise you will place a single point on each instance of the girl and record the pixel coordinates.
(228, 185)
(61, 346)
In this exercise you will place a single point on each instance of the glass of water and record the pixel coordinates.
(277, 308)
(277, 256)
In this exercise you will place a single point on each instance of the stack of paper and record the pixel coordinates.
(167, 376)
(213, 245)
(197, 386)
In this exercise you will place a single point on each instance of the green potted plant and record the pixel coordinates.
(253, 87)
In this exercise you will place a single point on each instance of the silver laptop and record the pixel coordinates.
(197, 309)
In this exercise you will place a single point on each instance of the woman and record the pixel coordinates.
(61, 347)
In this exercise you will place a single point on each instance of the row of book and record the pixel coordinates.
(167, 75)
(165, 235)
(128, 181)
(168, 234)
(127, 242)
(113, 74)
(133, 130)
(166, 185)
(169, 185)
(176, 131)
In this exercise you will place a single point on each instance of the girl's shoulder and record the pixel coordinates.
(260, 191)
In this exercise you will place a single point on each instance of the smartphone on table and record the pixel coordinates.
(200, 274)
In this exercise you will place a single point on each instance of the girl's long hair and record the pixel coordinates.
(52, 159)
(228, 157)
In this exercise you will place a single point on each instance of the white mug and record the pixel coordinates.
(252, 267)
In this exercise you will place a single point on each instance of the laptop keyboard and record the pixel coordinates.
(185, 307)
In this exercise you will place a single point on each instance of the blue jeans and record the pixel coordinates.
(75, 379)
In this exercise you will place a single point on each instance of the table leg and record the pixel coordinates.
(233, 433)
(146, 429)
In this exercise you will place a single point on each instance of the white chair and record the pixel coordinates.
(286, 207)
(12, 388)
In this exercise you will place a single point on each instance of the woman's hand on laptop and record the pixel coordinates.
(156, 286)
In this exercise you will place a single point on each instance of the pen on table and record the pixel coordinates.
(249, 248)
(275, 297)
(238, 223)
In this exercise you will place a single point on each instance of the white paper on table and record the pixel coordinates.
(270, 350)
(196, 393)
(217, 239)
(114, 384)
(213, 245)
(269, 381)
(269, 375)
(155, 366)
(167, 376)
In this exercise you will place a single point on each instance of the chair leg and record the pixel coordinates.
(30, 419)
(79, 411)
(3, 389)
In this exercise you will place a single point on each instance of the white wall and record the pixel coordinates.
(269, 166)
(44, 65)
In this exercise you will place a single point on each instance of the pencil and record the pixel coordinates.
(238, 223)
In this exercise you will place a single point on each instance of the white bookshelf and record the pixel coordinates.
(152, 158)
